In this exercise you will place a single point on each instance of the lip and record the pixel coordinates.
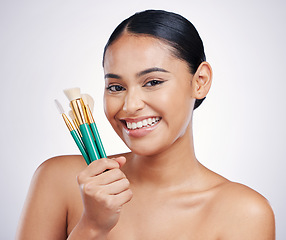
(141, 132)
(137, 119)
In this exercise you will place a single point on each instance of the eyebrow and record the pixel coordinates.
(111, 75)
(146, 71)
(149, 70)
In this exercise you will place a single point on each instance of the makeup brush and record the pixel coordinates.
(74, 122)
(80, 113)
(87, 99)
(73, 132)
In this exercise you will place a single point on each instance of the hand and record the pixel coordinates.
(103, 192)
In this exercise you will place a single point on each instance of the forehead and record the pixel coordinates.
(138, 51)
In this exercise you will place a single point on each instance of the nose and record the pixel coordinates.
(133, 102)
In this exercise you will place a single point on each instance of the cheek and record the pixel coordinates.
(176, 110)
(173, 102)
(111, 107)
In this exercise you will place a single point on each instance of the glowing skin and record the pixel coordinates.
(159, 190)
(145, 83)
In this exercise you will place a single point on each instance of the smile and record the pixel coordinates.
(148, 122)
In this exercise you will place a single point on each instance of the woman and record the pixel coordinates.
(155, 74)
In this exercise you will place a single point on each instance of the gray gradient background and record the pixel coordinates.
(46, 46)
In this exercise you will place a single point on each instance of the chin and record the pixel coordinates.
(147, 150)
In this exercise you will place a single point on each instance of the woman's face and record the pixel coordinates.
(148, 98)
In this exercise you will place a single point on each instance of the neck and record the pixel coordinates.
(173, 167)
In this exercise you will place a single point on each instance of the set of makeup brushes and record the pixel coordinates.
(83, 129)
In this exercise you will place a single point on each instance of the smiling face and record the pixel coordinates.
(148, 98)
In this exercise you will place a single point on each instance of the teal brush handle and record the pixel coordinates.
(98, 140)
(88, 141)
(80, 146)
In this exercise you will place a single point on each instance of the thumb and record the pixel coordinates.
(121, 160)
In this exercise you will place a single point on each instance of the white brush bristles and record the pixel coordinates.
(71, 115)
(72, 93)
(88, 100)
(59, 106)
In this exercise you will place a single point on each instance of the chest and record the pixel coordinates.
(181, 217)
(165, 218)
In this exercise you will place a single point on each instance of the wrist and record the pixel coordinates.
(88, 231)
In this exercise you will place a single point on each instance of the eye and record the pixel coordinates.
(153, 83)
(115, 88)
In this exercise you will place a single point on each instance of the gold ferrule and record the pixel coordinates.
(68, 123)
(77, 127)
(89, 114)
(79, 111)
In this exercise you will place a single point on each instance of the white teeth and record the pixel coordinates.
(139, 125)
(133, 125)
(142, 124)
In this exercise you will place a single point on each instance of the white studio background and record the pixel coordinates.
(47, 46)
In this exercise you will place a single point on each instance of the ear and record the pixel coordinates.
(202, 80)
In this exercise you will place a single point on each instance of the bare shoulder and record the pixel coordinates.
(62, 165)
(57, 177)
(59, 172)
(244, 213)
(240, 197)
(45, 211)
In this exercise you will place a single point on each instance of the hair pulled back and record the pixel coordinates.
(169, 27)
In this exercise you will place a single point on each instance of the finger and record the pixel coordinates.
(123, 197)
(92, 188)
(109, 176)
(117, 187)
(96, 168)
(121, 160)
(101, 165)
(115, 202)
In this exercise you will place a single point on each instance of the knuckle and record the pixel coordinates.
(99, 195)
(101, 163)
(101, 198)
(109, 163)
(113, 163)
(105, 161)
(87, 188)
(80, 178)
(118, 173)
(110, 204)
(126, 183)
(104, 200)
(129, 193)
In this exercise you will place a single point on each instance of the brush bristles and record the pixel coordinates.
(72, 93)
(59, 106)
(71, 115)
(88, 100)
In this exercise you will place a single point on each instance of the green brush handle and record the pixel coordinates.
(98, 140)
(80, 146)
(88, 141)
